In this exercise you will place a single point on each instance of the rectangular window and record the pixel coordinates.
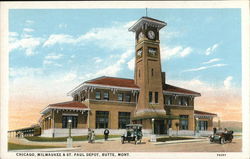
(106, 95)
(128, 98)
(156, 97)
(152, 72)
(65, 121)
(150, 97)
(102, 119)
(183, 122)
(203, 125)
(124, 119)
(98, 95)
(120, 96)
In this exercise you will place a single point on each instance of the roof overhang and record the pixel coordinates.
(49, 108)
(85, 86)
(184, 94)
(147, 21)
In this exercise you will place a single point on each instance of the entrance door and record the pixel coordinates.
(159, 127)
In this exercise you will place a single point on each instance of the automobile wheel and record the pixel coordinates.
(222, 140)
(211, 140)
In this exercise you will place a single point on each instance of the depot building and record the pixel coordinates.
(111, 102)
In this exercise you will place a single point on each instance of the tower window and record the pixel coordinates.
(139, 73)
(150, 97)
(156, 97)
(152, 72)
(98, 95)
(106, 95)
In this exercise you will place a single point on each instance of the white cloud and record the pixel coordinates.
(53, 56)
(115, 37)
(29, 22)
(60, 39)
(70, 76)
(62, 25)
(204, 67)
(211, 49)
(97, 59)
(211, 61)
(178, 51)
(228, 82)
(49, 62)
(131, 64)
(24, 71)
(28, 30)
(112, 69)
(186, 51)
(27, 44)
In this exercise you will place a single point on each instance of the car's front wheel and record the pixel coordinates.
(222, 140)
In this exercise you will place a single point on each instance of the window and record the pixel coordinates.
(183, 122)
(98, 95)
(152, 72)
(150, 97)
(106, 95)
(183, 101)
(65, 120)
(203, 125)
(139, 73)
(156, 97)
(120, 96)
(128, 98)
(124, 119)
(170, 100)
(102, 119)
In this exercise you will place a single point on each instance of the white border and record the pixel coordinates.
(244, 5)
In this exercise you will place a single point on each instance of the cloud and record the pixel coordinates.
(24, 71)
(204, 67)
(97, 59)
(131, 64)
(29, 22)
(228, 82)
(62, 25)
(111, 69)
(177, 51)
(115, 37)
(211, 49)
(53, 56)
(28, 30)
(211, 61)
(59, 39)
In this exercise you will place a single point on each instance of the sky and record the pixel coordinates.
(53, 51)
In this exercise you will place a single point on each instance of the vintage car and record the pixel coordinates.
(133, 133)
(221, 137)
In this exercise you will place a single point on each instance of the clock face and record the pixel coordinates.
(139, 53)
(151, 34)
(141, 35)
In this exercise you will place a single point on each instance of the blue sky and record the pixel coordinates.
(67, 47)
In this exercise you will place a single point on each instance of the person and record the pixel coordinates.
(214, 130)
(89, 135)
(106, 134)
(92, 138)
(225, 130)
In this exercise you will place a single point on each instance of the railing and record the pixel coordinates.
(174, 105)
(112, 102)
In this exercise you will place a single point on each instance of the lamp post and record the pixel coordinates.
(69, 139)
(153, 126)
(153, 137)
(197, 126)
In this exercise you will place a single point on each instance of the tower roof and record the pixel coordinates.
(149, 22)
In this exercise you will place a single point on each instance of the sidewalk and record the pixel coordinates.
(182, 141)
(47, 150)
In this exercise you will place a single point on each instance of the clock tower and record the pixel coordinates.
(147, 74)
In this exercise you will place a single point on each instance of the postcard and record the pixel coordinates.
(125, 79)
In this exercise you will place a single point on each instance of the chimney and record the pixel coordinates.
(163, 77)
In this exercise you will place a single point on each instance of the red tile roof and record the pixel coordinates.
(69, 104)
(113, 81)
(202, 113)
(123, 82)
(171, 88)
